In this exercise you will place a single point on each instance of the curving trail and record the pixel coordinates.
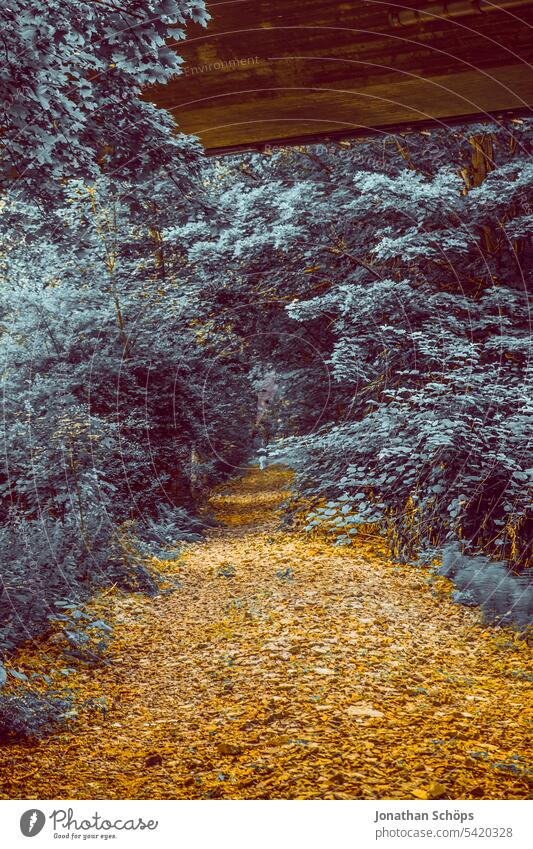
(286, 668)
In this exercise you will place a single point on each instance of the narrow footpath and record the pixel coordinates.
(283, 667)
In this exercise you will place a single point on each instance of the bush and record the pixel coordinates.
(505, 598)
(44, 560)
(31, 715)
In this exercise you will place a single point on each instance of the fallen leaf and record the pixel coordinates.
(229, 749)
(420, 794)
(363, 709)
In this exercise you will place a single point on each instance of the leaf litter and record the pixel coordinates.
(351, 680)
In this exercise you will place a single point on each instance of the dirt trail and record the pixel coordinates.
(286, 668)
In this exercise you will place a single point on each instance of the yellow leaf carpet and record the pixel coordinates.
(284, 667)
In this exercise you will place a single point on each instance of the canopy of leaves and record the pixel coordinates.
(71, 79)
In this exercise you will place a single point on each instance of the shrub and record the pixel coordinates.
(505, 598)
(28, 714)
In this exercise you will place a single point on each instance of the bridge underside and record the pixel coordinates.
(271, 71)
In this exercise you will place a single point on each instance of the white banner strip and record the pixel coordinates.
(267, 824)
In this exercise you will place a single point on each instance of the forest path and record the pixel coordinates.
(286, 668)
